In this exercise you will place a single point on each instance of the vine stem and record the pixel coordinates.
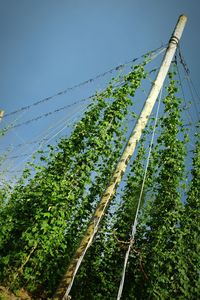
(20, 269)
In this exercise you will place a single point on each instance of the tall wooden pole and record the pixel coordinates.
(68, 278)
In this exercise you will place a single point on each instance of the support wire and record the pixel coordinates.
(138, 206)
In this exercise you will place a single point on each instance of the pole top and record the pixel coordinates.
(178, 30)
(183, 17)
(1, 113)
(182, 20)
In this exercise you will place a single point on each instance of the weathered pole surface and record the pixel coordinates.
(68, 278)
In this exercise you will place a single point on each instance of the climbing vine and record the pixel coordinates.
(190, 225)
(48, 214)
(43, 219)
(158, 267)
(162, 239)
(105, 269)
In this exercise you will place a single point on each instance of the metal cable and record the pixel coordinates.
(82, 83)
(138, 206)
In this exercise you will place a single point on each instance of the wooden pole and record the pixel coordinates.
(68, 278)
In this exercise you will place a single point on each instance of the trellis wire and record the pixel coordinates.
(138, 206)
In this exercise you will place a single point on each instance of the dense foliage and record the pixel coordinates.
(190, 223)
(160, 264)
(40, 221)
(161, 242)
(45, 216)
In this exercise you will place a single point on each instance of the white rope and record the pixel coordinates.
(138, 206)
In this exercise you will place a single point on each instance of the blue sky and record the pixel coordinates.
(50, 45)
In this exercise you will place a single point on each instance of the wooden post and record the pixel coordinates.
(68, 278)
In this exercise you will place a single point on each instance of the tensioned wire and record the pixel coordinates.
(116, 68)
(191, 85)
(47, 140)
(191, 121)
(12, 126)
(139, 203)
(51, 128)
(152, 56)
(189, 116)
(183, 94)
(44, 136)
(34, 152)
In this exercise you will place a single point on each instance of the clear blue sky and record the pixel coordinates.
(49, 45)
